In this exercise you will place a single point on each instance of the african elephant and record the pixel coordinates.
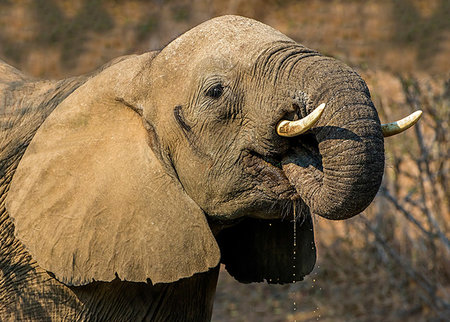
(122, 190)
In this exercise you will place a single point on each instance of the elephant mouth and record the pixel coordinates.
(269, 175)
(282, 175)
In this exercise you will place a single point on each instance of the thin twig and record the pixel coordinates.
(434, 301)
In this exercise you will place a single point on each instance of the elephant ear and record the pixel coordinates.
(90, 199)
(256, 250)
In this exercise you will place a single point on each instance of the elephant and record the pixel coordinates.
(124, 189)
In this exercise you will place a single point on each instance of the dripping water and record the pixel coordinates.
(294, 258)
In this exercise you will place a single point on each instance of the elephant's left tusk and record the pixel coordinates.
(294, 128)
(401, 125)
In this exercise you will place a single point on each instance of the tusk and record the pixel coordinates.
(402, 125)
(294, 128)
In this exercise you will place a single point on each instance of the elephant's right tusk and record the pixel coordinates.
(294, 128)
(401, 125)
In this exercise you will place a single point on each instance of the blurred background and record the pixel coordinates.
(390, 264)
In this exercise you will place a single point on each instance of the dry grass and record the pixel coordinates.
(390, 264)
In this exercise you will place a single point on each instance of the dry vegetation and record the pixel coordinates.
(390, 264)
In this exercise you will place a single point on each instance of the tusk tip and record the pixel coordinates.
(321, 107)
(401, 125)
(417, 114)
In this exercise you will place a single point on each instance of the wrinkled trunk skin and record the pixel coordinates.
(29, 293)
(340, 178)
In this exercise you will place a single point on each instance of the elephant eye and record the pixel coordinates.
(215, 92)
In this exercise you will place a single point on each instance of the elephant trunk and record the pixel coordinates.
(341, 170)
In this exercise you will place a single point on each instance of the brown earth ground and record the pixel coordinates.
(390, 264)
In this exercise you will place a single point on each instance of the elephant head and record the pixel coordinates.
(141, 170)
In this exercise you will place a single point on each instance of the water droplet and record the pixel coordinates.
(294, 252)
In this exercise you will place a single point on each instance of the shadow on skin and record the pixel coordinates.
(121, 298)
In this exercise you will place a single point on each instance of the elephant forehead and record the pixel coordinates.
(229, 39)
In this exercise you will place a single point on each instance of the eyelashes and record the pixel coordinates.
(213, 86)
(219, 99)
(215, 92)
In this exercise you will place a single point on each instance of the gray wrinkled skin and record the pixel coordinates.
(210, 102)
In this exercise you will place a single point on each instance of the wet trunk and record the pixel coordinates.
(339, 169)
